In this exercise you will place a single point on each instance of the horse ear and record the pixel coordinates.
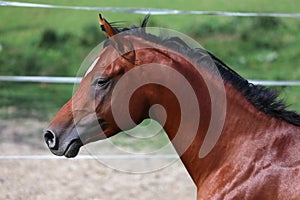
(120, 43)
(107, 28)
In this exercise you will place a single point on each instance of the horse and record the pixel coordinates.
(254, 155)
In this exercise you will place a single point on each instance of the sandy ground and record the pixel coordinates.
(75, 178)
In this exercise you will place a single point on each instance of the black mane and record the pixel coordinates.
(264, 99)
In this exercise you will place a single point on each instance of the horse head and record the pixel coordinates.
(136, 76)
(88, 116)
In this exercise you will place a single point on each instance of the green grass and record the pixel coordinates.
(40, 101)
(54, 42)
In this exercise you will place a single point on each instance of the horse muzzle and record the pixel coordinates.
(68, 147)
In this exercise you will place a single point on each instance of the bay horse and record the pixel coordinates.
(256, 155)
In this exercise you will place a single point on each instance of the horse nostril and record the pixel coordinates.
(50, 139)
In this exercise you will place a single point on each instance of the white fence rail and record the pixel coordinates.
(88, 157)
(152, 11)
(40, 79)
(73, 80)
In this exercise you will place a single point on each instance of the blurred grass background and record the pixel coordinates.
(54, 42)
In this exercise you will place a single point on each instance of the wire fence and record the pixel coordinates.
(74, 80)
(152, 11)
(89, 157)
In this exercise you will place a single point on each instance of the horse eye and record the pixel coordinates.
(101, 82)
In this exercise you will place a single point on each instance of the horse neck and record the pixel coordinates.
(246, 130)
(187, 141)
(243, 122)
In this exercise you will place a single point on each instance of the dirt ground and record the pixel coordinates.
(77, 178)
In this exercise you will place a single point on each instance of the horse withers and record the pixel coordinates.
(255, 149)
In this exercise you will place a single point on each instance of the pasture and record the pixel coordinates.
(53, 42)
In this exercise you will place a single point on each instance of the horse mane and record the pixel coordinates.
(263, 98)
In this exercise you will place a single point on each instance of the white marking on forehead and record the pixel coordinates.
(91, 67)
